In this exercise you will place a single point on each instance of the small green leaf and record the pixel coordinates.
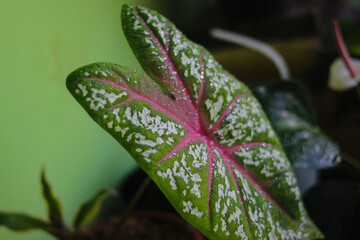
(289, 109)
(53, 204)
(89, 209)
(22, 222)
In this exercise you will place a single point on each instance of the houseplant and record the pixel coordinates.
(195, 111)
(197, 119)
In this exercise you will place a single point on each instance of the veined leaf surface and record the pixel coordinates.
(197, 132)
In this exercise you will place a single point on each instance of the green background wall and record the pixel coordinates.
(41, 42)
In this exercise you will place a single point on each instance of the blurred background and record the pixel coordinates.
(42, 41)
(41, 125)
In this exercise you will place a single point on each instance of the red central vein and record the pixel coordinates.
(139, 96)
(171, 65)
(210, 179)
(224, 114)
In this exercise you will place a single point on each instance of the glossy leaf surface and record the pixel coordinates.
(289, 108)
(22, 222)
(197, 132)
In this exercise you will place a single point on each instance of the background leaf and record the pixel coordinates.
(89, 209)
(22, 222)
(290, 111)
(207, 144)
(53, 204)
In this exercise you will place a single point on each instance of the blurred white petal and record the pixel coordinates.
(340, 77)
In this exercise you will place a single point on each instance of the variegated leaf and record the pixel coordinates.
(197, 132)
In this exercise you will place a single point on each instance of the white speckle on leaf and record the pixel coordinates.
(253, 215)
(115, 112)
(122, 130)
(153, 123)
(146, 154)
(83, 89)
(99, 98)
(170, 140)
(225, 209)
(241, 233)
(168, 175)
(221, 191)
(223, 225)
(195, 190)
(214, 108)
(193, 211)
(217, 206)
(235, 216)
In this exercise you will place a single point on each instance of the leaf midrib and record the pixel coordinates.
(173, 69)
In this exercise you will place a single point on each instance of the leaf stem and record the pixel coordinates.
(256, 45)
(351, 160)
(130, 207)
(343, 50)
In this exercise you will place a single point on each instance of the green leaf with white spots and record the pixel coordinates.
(289, 109)
(198, 133)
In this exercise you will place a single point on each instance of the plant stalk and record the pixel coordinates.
(343, 50)
(130, 207)
(256, 45)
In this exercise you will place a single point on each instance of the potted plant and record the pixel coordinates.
(201, 136)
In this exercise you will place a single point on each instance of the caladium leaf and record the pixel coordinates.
(290, 111)
(197, 132)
